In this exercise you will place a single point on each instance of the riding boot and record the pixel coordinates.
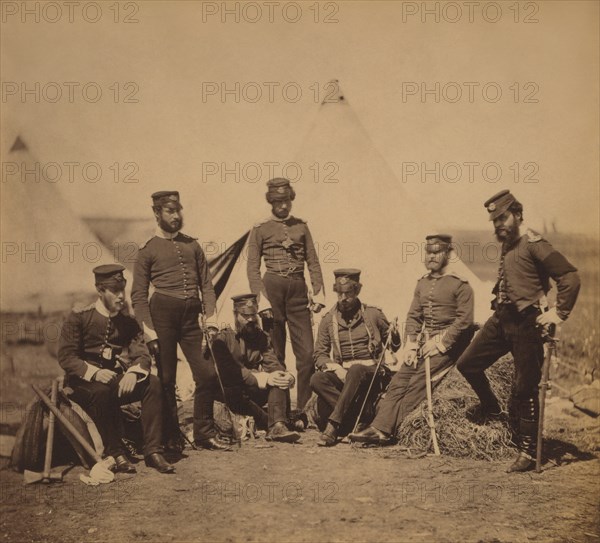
(489, 407)
(528, 433)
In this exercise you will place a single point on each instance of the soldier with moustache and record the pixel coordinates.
(349, 343)
(439, 325)
(527, 264)
(91, 343)
(251, 374)
(286, 245)
(176, 267)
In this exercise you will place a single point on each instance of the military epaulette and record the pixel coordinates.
(263, 221)
(147, 241)
(424, 275)
(79, 308)
(459, 277)
(188, 237)
(533, 236)
(299, 219)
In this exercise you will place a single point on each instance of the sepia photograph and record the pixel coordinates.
(297, 271)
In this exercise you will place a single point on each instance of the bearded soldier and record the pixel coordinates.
(175, 265)
(350, 341)
(285, 243)
(439, 325)
(252, 376)
(527, 263)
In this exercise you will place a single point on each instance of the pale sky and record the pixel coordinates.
(165, 73)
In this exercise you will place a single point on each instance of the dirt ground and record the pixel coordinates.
(301, 492)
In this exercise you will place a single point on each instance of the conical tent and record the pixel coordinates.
(360, 216)
(48, 253)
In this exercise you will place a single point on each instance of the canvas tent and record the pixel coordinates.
(360, 216)
(48, 253)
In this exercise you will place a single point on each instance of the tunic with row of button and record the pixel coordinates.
(445, 304)
(176, 267)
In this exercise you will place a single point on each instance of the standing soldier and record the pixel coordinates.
(286, 244)
(350, 341)
(175, 265)
(441, 316)
(527, 263)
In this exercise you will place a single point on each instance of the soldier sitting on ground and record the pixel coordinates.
(250, 372)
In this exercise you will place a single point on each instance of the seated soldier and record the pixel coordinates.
(441, 314)
(250, 372)
(89, 350)
(356, 333)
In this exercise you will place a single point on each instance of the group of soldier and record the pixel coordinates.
(107, 354)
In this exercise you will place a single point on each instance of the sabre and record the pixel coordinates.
(382, 356)
(549, 335)
(214, 361)
(430, 419)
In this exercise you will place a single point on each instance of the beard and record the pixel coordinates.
(250, 329)
(506, 234)
(171, 226)
(348, 309)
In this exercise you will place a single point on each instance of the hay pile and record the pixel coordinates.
(457, 436)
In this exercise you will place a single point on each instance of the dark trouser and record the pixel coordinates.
(408, 387)
(246, 399)
(289, 302)
(507, 330)
(101, 402)
(176, 322)
(340, 402)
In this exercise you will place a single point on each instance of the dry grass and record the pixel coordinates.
(457, 436)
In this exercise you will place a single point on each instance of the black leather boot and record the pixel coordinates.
(528, 430)
(489, 407)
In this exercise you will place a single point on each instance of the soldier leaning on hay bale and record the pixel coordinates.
(527, 263)
(439, 325)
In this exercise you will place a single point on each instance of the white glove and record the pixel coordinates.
(410, 357)
(549, 317)
(431, 347)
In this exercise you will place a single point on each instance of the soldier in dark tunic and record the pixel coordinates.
(176, 267)
(285, 243)
(439, 325)
(350, 341)
(91, 343)
(527, 263)
(251, 374)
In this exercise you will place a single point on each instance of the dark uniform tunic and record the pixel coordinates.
(354, 345)
(286, 245)
(523, 280)
(244, 365)
(177, 269)
(442, 308)
(90, 340)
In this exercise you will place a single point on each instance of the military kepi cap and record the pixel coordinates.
(444, 240)
(163, 197)
(110, 276)
(246, 304)
(499, 203)
(279, 189)
(346, 279)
